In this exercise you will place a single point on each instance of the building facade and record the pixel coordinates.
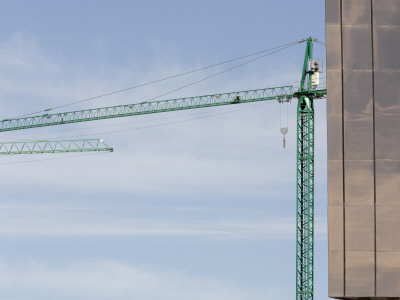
(363, 106)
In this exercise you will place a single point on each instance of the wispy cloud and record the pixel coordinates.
(226, 169)
(233, 155)
(209, 152)
(52, 221)
(111, 279)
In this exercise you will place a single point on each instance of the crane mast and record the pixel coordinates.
(305, 145)
(305, 180)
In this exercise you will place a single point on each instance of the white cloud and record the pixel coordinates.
(111, 279)
(27, 220)
(237, 154)
(229, 149)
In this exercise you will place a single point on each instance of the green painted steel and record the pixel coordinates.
(315, 94)
(62, 146)
(305, 182)
(147, 108)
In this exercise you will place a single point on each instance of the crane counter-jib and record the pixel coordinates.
(148, 107)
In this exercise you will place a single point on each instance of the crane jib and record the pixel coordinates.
(151, 107)
(147, 107)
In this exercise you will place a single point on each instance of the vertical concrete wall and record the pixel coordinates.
(363, 105)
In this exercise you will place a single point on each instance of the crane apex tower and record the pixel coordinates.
(363, 78)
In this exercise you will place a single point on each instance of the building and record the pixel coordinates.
(363, 106)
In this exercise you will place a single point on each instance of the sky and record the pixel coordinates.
(195, 204)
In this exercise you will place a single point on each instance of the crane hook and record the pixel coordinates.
(284, 130)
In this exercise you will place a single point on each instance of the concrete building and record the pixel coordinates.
(363, 105)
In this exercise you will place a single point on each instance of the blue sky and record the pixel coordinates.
(201, 209)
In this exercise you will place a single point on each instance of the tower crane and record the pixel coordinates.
(306, 94)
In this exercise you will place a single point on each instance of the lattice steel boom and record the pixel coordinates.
(147, 108)
(44, 146)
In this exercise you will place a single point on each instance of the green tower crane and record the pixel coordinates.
(305, 144)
